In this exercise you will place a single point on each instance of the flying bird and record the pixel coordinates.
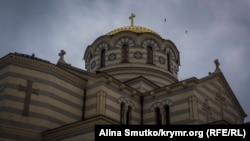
(165, 19)
(186, 31)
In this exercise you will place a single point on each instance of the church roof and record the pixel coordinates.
(29, 56)
(136, 29)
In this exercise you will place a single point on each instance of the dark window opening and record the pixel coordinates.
(122, 110)
(168, 61)
(125, 56)
(128, 115)
(149, 55)
(158, 116)
(103, 58)
(167, 114)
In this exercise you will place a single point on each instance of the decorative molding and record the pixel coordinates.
(101, 103)
(168, 89)
(89, 57)
(193, 107)
(126, 102)
(169, 51)
(156, 105)
(122, 86)
(100, 47)
(125, 41)
(167, 102)
(162, 60)
(152, 94)
(162, 103)
(122, 100)
(150, 42)
(112, 57)
(110, 79)
(184, 84)
(93, 64)
(38, 64)
(137, 55)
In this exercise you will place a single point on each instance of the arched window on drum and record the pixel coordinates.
(149, 55)
(168, 62)
(102, 58)
(125, 56)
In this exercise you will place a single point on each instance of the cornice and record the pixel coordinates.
(38, 64)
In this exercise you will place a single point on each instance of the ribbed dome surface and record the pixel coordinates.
(136, 29)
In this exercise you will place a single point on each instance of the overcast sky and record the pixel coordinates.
(217, 29)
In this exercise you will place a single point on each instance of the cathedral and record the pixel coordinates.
(130, 78)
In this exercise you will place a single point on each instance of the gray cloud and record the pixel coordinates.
(216, 29)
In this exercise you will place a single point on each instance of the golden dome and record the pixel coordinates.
(136, 29)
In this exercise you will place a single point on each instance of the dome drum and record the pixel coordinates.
(130, 48)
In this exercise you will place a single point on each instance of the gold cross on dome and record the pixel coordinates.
(131, 17)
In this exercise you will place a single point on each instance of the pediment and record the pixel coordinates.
(141, 84)
(223, 96)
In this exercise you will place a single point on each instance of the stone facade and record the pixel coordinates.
(131, 77)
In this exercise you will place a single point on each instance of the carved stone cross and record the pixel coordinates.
(131, 17)
(62, 53)
(61, 59)
(207, 109)
(28, 91)
(217, 65)
(221, 100)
